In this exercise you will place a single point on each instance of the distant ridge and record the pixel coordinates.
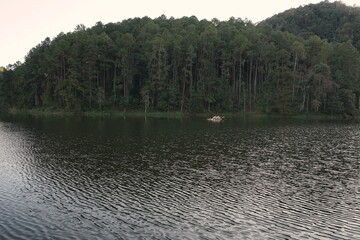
(335, 22)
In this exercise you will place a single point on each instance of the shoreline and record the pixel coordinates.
(158, 114)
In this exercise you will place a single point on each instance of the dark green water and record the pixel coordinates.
(74, 178)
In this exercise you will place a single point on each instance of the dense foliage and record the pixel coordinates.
(332, 21)
(185, 65)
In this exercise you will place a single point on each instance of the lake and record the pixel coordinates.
(136, 178)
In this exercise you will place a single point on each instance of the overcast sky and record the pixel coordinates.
(25, 23)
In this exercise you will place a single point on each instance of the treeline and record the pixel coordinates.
(185, 65)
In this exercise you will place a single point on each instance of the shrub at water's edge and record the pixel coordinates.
(61, 113)
(141, 114)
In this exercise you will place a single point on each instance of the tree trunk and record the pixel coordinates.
(255, 79)
(234, 79)
(182, 96)
(302, 108)
(249, 81)
(114, 83)
(293, 82)
(244, 93)
(124, 87)
(240, 81)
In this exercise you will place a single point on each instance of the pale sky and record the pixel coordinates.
(25, 23)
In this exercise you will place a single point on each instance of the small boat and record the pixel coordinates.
(215, 119)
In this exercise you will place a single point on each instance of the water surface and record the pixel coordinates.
(79, 178)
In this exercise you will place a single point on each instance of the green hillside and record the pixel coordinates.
(332, 21)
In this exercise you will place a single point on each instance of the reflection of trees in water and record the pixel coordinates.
(108, 147)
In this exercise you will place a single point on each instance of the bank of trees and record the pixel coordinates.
(185, 65)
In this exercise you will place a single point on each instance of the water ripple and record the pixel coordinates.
(179, 180)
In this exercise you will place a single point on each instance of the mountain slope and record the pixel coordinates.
(332, 21)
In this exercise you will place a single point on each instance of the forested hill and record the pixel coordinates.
(332, 21)
(187, 65)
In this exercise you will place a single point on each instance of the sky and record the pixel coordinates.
(25, 23)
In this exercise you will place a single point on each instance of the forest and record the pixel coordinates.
(302, 60)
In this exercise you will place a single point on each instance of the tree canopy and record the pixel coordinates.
(333, 21)
(189, 65)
